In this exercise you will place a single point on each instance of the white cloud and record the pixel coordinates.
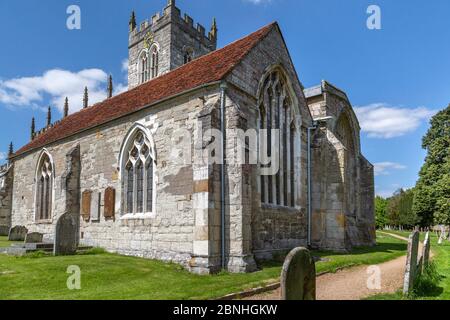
(380, 120)
(55, 85)
(3, 156)
(258, 1)
(383, 168)
(125, 65)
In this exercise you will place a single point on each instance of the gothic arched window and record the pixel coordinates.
(154, 62)
(138, 163)
(143, 67)
(277, 113)
(44, 188)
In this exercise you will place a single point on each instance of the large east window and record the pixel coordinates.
(277, 115)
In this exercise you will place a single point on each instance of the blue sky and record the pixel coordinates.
(396, 77)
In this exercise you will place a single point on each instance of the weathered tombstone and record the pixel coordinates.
(4, 230)
(411, 270)
(17, 233)
(110, 203)
(95, 206)
(298, 276)
(66, 240)
(426, 251)
(34, 237)
(68, 226)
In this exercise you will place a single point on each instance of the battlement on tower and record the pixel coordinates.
(176, 37)
(172, 15)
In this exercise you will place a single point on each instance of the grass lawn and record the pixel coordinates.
(442, 261)
(108, 276)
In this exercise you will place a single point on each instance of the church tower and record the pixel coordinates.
(164, 43)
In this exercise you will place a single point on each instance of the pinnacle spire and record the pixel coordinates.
(49, 117)
(11, 149)
(33, 128)
(66, 107)
(132, 22)
(214, 30)
(86, 98)
(110, 86)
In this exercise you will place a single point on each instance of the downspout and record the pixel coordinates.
(310, 129)
(223, 88)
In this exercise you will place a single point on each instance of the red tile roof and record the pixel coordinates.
(207, 69)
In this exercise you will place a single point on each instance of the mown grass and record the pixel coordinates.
(107, 276)
(5, 243)
(435, 284)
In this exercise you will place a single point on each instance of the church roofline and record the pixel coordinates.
(204, 71)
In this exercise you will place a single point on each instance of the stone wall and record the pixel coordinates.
(6, 185)
(169, 234)
(273, 229)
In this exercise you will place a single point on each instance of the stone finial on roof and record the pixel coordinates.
(86, 98)
(214, 30)
(11, 149)
(132, 22)
(33, 128)
(171, 3)
(66, 107)
(49, 117)
(110, 86)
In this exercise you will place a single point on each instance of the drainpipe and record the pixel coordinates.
(223, 88)
(310, 129)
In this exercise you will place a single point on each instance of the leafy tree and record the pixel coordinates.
(381, 217)
(432, 196)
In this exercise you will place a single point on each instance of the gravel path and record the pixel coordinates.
(351, 284)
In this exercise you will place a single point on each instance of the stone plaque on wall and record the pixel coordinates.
(95, 206)
(110, 203)
(86, 199)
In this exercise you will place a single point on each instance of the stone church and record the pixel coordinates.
(113, 167)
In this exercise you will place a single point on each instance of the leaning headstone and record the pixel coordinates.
(4, 231)
(66, 240)
(17, 233)
(298, 276)
(426, 250)
(411, 271)
(34, 237)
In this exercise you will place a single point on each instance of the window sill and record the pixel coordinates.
(266, 206)
(43, 221)
(137, 216)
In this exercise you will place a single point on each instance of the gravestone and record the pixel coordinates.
(34, 237)
(4, 231)
(426, 251)
(110, 203)
(86, 199)
(411, 271)
(95, 206)
(17, 233)
(67, 231)
(298, 276)
(66, 239)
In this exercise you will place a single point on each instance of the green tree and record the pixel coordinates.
(381, 217)
(432, 195)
